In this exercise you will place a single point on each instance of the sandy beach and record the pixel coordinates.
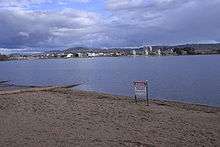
(64, 117)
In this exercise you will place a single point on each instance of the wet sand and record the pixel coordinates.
(63, 117)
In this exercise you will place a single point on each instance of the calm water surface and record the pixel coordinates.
(185, 78)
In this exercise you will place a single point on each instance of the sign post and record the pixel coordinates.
(140, 88)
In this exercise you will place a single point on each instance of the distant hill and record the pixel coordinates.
(201, 47)
(77, 49)
(53, 51)
(194, 46)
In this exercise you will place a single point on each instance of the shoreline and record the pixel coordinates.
(12, 88)
(150, 56)
(65, 117)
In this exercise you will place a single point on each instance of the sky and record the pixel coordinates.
(60, 24)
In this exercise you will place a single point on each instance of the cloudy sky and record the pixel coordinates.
(59, 24)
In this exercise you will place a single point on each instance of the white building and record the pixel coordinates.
(146, 52)
(151, 49)
(79, 55)
(69, 55)
(118, 54)
(101, 54)
(134, 52)
(159, 52)
(91, 54)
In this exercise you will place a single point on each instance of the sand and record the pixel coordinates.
(63, 117)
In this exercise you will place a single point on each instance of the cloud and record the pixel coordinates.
(23, 34)
(164, 21)
(147, 5)
(120, 23)
(26, 4)
(30, 28)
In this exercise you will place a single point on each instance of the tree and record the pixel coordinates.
(177, 51)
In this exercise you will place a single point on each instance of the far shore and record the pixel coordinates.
(31, 59)
(59, 116)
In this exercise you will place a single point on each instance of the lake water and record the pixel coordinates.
(194, 79)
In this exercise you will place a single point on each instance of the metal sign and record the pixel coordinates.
(141, 88)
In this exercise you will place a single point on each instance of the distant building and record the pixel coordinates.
(150, 48)
(80, 55)
(91, 54)
(159, 52)
(134, 52)
(69, 55)
(146, 52)
(118, 54)
(101, 54)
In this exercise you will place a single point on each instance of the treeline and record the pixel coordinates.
(184, 51)
(193, 51)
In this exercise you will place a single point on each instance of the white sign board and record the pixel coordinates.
(141, 88)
